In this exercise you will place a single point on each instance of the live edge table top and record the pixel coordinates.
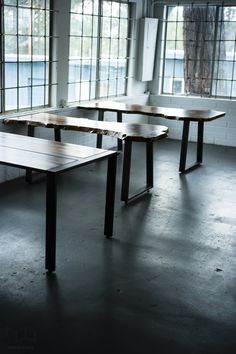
(164, 112)
(138, 132)
(44, 155)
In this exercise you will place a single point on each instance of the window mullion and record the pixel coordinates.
(99, 38)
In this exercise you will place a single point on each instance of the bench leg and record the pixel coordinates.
(57, 134)
(200, 141)
(119, 141)
(51, 217)
(149, 164)
(110, 196)
(126, 170)
(28, 173)
(99, 136)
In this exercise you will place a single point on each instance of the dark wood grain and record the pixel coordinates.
(138, 132)
(45, 155)
(164, 112)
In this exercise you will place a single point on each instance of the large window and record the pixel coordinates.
(99, 42)
(200, 51)
(25, 55)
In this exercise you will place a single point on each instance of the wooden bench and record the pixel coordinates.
(184, 115)
(128, 132)
(53, 158)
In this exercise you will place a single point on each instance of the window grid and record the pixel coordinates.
(213, 72)
(107, 68)
(22, 57)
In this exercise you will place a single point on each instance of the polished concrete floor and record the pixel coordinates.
(165, 283)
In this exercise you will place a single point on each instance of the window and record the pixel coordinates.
(99, 45)
(200, 51)
(25, 56)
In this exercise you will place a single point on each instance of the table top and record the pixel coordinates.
(164, 112)
(123, 131)
(46, 155)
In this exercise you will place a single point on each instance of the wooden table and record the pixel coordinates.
(184, 115)
(128, 132)
(53, 158)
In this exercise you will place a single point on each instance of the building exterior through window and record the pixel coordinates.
(199, 51)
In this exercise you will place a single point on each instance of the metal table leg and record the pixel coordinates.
(184, 146)
(51, 218)
(126, 170)
(99, 136)
(28, 173)
(149, 164)
(119, 141)
(57, 134)
(200, 141)
(110, 196)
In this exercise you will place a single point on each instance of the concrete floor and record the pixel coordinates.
(166, 282)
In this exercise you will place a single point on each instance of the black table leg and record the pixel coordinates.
(149, 164)
(110, 196)
(57, 134)
(184, 146)
(99, 136)
(28, 174)
(119, 141)
(51, 218)
(200, 141)
(126, 170)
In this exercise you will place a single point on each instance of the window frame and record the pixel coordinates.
(98, 59)
(214, 78)
(46, 37)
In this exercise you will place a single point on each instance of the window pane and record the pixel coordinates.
(25, 48)
(10, 20)
(76, 25)
(104, 69)
(10, 2)
(38, 96)
(74, 71)
(24, 97)
(76, 6)
(115, 28)
(124, 11)
(38, 19)
(10, 75)
(106, 8)
(123, 29)
(38, 73)
(24, 74)
(121, 86)
(25, 3)
(24, 21)
(38, 48)
(112, 87)
(39, 4)
(87, 25)
(10, 48)
(10, 99)
(75, 47)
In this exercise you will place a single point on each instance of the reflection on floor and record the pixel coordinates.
(166, 282)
